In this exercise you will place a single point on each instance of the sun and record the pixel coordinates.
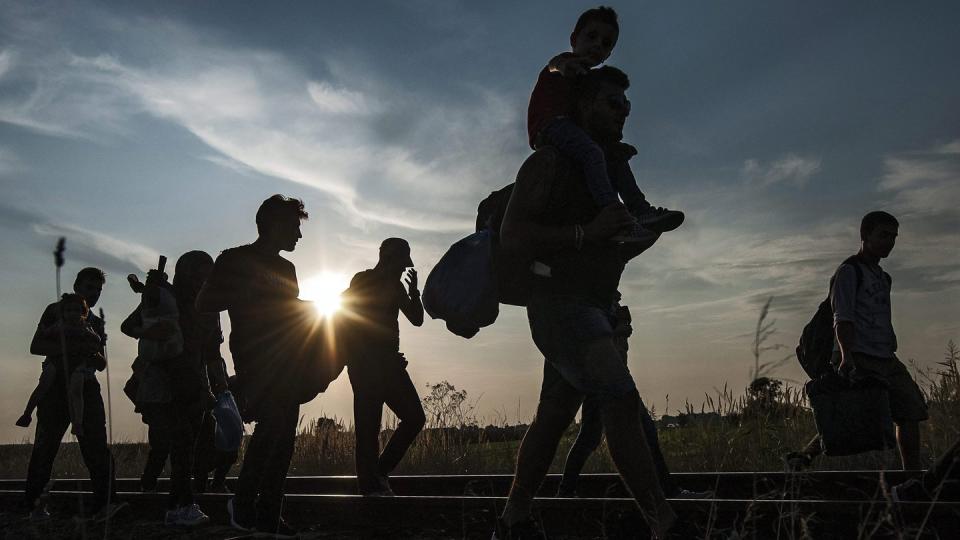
(324, 290)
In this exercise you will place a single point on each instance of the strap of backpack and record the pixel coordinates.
(854, 261)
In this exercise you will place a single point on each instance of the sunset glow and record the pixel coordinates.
(324, 291)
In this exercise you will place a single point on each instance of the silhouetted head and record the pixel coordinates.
(89, 284)
(878, 234)
(74, 309)
(595, 34)
(395, 255)
(278, 221)
(602, 105)
(192, 269)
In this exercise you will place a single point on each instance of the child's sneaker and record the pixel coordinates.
(191, 516)
(658, 219)
(24, 421)
(635, 233)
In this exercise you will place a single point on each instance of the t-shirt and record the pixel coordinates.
(552, 96)
(867, 307)
(376, 299)
(592, 272)
(259, 325)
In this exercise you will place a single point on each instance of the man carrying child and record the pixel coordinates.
(55, 405)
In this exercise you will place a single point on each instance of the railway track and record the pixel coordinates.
(836, 485)
(466, 507)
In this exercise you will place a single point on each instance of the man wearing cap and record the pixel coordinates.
(377, 368)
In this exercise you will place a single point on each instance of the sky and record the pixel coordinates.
(148, 128)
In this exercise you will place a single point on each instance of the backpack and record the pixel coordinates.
(816, 340)
(511, 272)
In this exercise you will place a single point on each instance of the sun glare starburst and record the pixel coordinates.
(324, 291)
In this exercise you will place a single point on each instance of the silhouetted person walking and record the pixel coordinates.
(377, 368)
(865, 342)
(188, 385)
(53, 409)
(551, 217)
(259, 290)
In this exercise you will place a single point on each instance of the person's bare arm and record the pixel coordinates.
(520, 233)
(132, 326)
(568, 65)
(412, 308)
(44, 342)
(842, 299)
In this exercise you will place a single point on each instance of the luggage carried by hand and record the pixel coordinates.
(461, 289)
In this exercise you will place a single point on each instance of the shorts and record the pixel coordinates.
(907, 403)
(562, 327)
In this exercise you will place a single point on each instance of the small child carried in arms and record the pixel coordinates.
(550, 122)
(84, 356)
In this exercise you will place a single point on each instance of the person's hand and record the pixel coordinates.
(844, 367)
(155, 277)
(571, 65)
(608, 222)
(98, 362)
(410, 279)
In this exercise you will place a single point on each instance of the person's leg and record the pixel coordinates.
(158, 438)
(588, 439)
(367, 414)
(183, 436)
(204, 453)
(574, 143)
(629, 448)
(667, 483)
(52, 422)
(557, 408)
(251, 471)
(908, 441)
(947, 468)
(93, 446)
(403, 400)
(621, 176)
(284, 431)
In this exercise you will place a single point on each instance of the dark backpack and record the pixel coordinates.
(816, 340)
(512, 273)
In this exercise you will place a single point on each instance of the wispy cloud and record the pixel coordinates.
(791, 170)
(262, 111)
(92, 247)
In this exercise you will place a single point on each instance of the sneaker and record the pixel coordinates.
(567, 492)
(191, 516)
(278, 528)
(171, 517)
(40, 513)
(527, 529)
(241, 519)
(24, 421)
(658, 219)
(108, 511)
(635, 233)
(693, 495)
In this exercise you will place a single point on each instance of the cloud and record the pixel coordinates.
(92, 247)
(8, 161)
(791, 169)
(925, 183)
(261, 111)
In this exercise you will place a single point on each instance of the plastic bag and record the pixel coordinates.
(851, 418)
(229, 431)
(462, 289)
